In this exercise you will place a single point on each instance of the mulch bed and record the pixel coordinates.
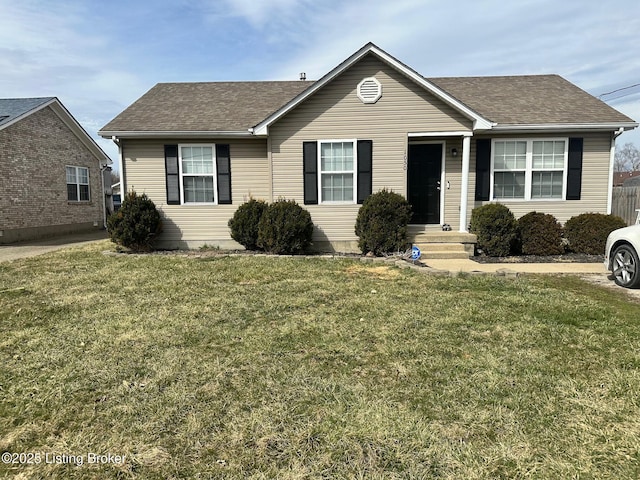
(566, 258)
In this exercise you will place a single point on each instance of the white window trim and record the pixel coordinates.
(214, 174)
(354, 171)
(77, 183)
(529, 170)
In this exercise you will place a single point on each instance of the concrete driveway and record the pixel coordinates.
(38, 247)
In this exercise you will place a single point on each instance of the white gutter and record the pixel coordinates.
(564, 126)
(174, 134)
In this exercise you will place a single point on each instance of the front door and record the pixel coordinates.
(423, 182)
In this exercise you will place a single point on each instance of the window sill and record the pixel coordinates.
(79, 202)
(522, 200)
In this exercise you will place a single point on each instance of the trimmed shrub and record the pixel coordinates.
(496, 229)
(540, 234)
(136, 224)
(381, 224)
(587, 232)
(245, 221)
(285, 228)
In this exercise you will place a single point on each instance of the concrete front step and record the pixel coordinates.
(444, 237)
(445, 250)
(443, 255)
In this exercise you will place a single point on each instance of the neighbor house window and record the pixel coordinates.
(197, 173)
(529, 169)
(337, 160)
(77, 184)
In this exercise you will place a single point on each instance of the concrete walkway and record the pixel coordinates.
(464, 265)
(38, 247)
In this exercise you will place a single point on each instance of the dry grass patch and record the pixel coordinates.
(260, 367)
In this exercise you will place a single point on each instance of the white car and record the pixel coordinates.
(621, 256)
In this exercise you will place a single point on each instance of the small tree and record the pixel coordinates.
(136, 224)
(382, 221)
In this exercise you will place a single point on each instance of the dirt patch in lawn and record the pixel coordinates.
(382, 271)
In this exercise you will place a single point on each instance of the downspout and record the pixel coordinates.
(612, 155)
(104, 199)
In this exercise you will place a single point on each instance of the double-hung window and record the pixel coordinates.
(197, 173)
(77, 184)
(337, 164)
(529, 169)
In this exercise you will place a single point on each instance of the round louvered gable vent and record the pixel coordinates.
(369, 90)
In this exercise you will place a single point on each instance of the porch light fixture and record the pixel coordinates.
(454, 152)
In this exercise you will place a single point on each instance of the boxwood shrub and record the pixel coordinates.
(245, 221)
(496, 229)
(540, 234)
(587, 232)
(382, 221)
(136, 224)
(285, 228)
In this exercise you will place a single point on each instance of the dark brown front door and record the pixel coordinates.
(423, 182)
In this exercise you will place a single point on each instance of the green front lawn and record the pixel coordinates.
(254, 367)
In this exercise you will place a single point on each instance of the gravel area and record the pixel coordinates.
(607, 282)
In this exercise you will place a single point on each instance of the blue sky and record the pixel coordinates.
(99, 57)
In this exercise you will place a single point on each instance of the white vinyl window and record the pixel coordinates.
(197, 173)
(337, 164)
(529, 169)
(77, 184)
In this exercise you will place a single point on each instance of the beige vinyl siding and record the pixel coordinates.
(193, 225)
(335, 112)
(595, 179)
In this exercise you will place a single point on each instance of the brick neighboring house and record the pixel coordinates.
(51, 172)
(623, 178)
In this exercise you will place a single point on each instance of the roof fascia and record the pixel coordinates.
(60, 110)
(27, 113)
(174, 134)
(478, 122)
(503, 128)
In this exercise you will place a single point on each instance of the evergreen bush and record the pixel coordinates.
(285, 228)
(245, 221)
(540, 234)
(136, 224)
(496, 229)
(588, 232)
(382, 221)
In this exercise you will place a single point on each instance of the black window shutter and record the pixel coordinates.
(365, 166)
(223, 166)
(310, 172)
(574, 173)
(172, 174)
(483, 168)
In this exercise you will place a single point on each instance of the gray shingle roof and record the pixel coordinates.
(11, 108)
(529, 100)
(205, 107)
(238, 106)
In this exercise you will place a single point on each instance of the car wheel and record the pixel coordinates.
(625, 267)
